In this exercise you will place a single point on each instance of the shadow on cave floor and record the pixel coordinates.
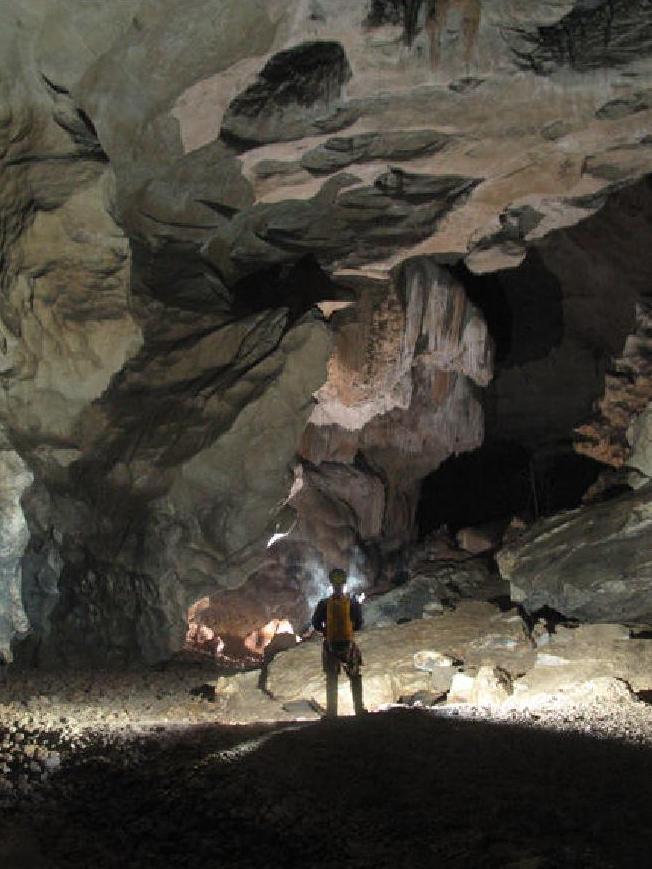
(394, 789)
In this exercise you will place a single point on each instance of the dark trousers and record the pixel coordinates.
(336, 656)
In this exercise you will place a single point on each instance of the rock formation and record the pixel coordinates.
(239, 251)
(13, 540)
(591, 564)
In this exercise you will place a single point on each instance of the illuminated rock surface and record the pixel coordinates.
(13, 539)
(592, 563)
(431, 589)
(470, 633)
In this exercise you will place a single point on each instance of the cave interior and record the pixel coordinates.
(313, 284)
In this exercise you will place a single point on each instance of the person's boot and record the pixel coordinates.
(356, 693)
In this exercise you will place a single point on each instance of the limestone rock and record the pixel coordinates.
(399, 398)
(480, 539)
(619, 435)
(461, 688)
(286, 585)
(439, 329)
(639, 436)
(295, 94)
(570, 307)
(491, 687)
(586, 664)
(584, 35)
(428, 660)
(15, 478)
(423, 594)
(591, 563)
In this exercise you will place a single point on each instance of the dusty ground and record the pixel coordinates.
(552, 787)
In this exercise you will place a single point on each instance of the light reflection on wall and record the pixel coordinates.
(320, 586)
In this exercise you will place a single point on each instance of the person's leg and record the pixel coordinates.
(356, 693)
(331, 667)
(331, 693)
(352, 667)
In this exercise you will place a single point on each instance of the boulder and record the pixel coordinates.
(461, 688)
(429, 660)
(592, 563)
(491, 687)
(584, 662)
(441, 668)
(426, 595)
(639, 436)
(481, 538)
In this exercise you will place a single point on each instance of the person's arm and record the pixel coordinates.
(319, 617)
(356, 614)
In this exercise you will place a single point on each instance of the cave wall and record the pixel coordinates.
(164, 169)
(568, 321)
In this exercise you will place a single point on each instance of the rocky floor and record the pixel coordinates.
(396, 789)
(547, 764)
(132, 770)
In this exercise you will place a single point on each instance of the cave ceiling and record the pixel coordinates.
(242, 253)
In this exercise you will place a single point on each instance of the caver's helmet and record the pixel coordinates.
(337, 577)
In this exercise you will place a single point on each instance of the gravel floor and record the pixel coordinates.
(551, 787)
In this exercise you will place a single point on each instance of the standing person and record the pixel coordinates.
(337, 617)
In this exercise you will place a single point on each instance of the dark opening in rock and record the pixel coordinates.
(298, 288)
(522, 306)
(501, 480)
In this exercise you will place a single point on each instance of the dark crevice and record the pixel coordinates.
(501, 480)
(86, 121)
(26, 159)
(180, 224)
(412, 9)
(77, 123)
(53, 86)
(523, 308)
(590, 36)
(550, 617)
(176, 275)
(645, 634)
(298, 288)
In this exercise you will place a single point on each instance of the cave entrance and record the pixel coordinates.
(500, 481)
